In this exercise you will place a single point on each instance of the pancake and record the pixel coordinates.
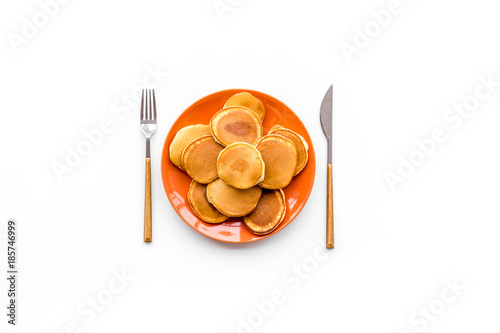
(197, 198)
(249, 101)
(268, 214)
(236, 124)
(299, 142)
(184, 137)
(231, 201)
(280, 157)
(199, 159)
(240, 165)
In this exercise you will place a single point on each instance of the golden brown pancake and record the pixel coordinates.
(280, 157)
(240, 165)
(231, 201)
(199, 159)
(184, 137)
(249, 101)
(268, 214)
(197, 198)
(236, 124)
(299, 142)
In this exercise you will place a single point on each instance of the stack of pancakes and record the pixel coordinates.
(236, 170)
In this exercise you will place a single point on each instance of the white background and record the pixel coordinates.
(394, 249)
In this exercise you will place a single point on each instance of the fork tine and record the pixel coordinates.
(154, 105)
(150, 112)
(142, 105)
(148, 104)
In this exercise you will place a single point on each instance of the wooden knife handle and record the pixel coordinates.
(329, 210)
(147, 203)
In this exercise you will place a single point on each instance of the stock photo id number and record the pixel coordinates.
(12, 274)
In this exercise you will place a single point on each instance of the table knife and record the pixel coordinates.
(326, 125)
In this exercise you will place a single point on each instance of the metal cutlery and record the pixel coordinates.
(326, 125)
(148, 127)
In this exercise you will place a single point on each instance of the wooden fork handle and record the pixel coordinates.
(147, 203)
(329, 210)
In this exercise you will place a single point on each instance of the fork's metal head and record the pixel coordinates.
(148, 112)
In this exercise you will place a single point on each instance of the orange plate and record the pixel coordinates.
(176, 182)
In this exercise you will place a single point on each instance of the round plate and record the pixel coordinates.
(176, 182)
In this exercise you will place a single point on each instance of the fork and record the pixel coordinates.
(148, 127)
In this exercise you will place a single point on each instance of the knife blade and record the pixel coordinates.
(325, 116)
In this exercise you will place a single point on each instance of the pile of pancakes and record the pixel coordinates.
(238, 171)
